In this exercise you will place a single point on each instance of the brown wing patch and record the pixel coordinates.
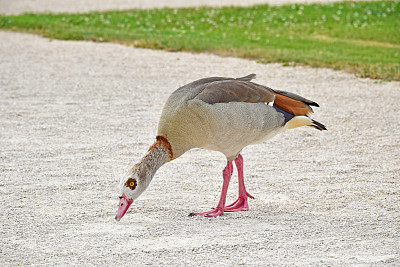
(235, 91)
(297, 97)
(295, 107)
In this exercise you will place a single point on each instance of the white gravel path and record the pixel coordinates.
(74, 115)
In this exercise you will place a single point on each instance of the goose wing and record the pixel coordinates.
(234, 90)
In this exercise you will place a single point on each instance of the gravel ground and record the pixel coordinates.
(22, 6)
(75, 115)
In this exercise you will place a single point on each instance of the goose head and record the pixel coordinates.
(130, 189)
(138, 178)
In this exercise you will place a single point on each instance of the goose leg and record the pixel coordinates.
(241, 203)
(219, 210)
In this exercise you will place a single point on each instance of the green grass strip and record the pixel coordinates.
(359, 37)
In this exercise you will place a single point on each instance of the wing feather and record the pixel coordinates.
(297, 97)
(238, 90)
(292, 106)
(224, 90)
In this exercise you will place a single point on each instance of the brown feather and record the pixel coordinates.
(297, 97)
(204, 81)
(226, 91)
(247, 78)
(163, 142)
(293, 106)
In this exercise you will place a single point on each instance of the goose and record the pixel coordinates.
(221, 114)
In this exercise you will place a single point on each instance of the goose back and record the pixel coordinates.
(222, 114)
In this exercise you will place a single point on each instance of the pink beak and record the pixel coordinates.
(123, 206)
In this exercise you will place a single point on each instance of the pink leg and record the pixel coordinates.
(241, 203)
(219, 210)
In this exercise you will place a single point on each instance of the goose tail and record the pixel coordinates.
(317, 125)
(296, 110)
(299, 121)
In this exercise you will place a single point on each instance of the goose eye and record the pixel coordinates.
(131, 183)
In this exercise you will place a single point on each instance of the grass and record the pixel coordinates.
(359, 37)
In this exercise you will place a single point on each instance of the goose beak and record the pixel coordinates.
(123, 206)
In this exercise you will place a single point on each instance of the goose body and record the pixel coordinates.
(221, 114)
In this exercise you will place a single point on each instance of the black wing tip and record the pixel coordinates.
(313, 104)
(319, 126)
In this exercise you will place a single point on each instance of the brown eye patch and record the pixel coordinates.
(131, 183)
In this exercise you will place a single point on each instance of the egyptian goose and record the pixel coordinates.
(222, 114)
